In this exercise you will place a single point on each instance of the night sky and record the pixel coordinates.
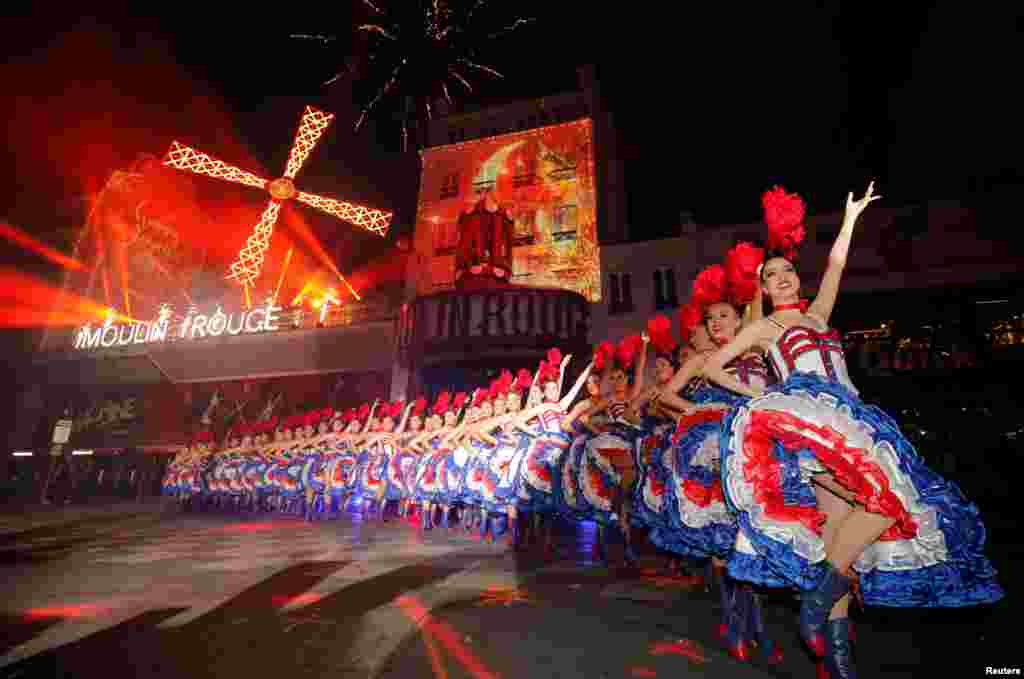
(712, 106)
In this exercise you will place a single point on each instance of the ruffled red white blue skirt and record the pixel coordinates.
(932, 556)
(701, 525)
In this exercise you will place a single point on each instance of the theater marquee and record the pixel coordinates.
(193, 326)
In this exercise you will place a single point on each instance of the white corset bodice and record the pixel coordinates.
(803, 349)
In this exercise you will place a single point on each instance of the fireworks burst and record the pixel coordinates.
(421, 51)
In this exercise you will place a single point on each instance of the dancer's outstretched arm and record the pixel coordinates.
(641, 370)
(822, 306)
(755, 335)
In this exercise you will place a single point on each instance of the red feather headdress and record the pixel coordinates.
(459, 401)
(690, 316)
(419, 407)
(659, 329)
(742, 266)
(363, 413)
(784, 215)
(441, 404)
(396, 409)
(524, 380)
(709, 287)
(627, 350)
(604, 354)
(479, 396)
(350, 415)
(505, 382)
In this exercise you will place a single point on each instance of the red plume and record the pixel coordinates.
(479, 396)
(419, 407)
(350, 415)
(441, 405)
(364, 411)
(603, 355)
(505, 382)
(709, 286)
(396, 409)
(659, 329)
(460, 400)
(741, 268)
(523, 380)
(690, 316)
(784, 215)
(555, 357)
(627, 350)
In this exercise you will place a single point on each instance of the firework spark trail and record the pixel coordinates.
(318, 38)
(416, 51)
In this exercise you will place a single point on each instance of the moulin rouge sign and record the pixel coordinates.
(194, 326)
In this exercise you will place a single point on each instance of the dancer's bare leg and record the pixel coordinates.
(836, 509)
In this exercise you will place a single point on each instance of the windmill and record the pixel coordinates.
(246, 269)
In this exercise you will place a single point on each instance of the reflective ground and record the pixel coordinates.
(146, 594)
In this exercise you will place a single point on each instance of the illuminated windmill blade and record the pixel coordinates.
(314, 124)
(375, 221)
(186, 158)
(246, 269)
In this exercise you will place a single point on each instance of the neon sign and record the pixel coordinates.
(193, 326)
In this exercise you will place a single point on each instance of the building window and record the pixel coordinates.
(450, 185)
(665, 296)
(521, 180)
(620, 297)
(563, 222)
(627, 293)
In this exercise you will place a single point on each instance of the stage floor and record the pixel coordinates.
(142, 593)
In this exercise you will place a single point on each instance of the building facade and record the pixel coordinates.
(928, 286)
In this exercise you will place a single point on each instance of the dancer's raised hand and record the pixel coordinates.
(855, 207)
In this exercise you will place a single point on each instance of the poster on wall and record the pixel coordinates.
(543, 179)
(106, 419)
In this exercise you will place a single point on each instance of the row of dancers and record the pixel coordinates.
(751, 449)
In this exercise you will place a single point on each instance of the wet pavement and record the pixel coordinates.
(140, 593)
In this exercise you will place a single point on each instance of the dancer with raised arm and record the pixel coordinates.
(826, 487)
(543, 461)
(608, 470)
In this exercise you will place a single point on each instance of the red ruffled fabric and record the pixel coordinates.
(698, 417)
(850, 467)
(702, 495)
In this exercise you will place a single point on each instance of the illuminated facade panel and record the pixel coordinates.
(543, 179)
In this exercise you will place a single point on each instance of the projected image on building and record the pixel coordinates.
(543, 179)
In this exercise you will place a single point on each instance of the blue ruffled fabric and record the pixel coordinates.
(644, 515)
(548, 446)
(966, 578)
(312, 466)
(570, 461)
(507, 485)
